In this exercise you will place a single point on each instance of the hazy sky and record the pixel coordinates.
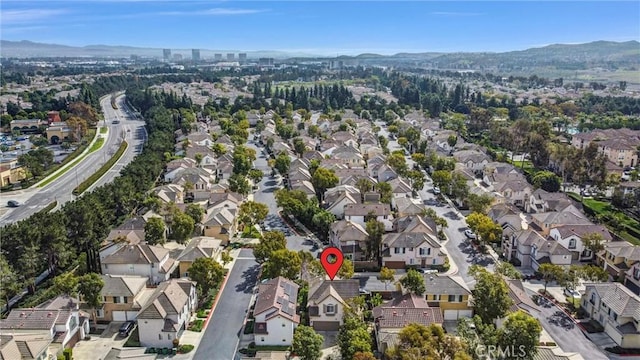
(320, 27)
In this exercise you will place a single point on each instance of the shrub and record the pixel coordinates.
(248, 328)
(201, 314)
(176, 342)
(185, 348)
(68, 354)
(196, 325)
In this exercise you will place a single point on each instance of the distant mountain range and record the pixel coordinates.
(607, 54)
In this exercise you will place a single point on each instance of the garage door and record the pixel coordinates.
(326, 325)
(119, 316)
(132, 315)
(457, 314)
(395, 264)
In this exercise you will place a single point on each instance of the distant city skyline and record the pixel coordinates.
(321, 27)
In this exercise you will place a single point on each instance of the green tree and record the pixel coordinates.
(299, 146)
(414, 282)
(9, 280)
(441, 179)
(364, 185)
(252, 212)
(346, 270)
(375, 229)
(363, 356)
(550, 272)
(271, 241)
(285, 263)
(154, 231)
(452, 140)
(322, 180)
(239, 184)
(243, 158)
(385, 191)
(207, 273)
(479, 203)
(594, 242)
(487, 230)
(182, 227)
(547, 180)
(417, 341)
(508, 270)
(353, 336)
(387, 275)
(282, 164)
(226, 257)
(417, 180)
(522, 332)
(65, 283)
(307, 344)
(219, 149)
(490, 294)
(90, 286)
(397, 162)
(194, 211)
(594, 273)
(256, 175)
(322, 221)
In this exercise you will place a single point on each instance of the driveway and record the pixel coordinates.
(569, 339)
(99, 346)
(222, 335)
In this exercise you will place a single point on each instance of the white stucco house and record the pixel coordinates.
(152, 262)
(275, 312)
(327, 302)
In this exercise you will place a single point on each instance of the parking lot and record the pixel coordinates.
(99, 346)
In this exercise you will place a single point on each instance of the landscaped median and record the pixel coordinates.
(71, 161)
(103, 170)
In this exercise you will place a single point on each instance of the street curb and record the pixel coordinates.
(215, 301)
(90, 188)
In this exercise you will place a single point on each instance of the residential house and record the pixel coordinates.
(473, 160)
(170, 193)
(174, 167)
(224, 200)
(414, 224)
(542, 201)
(304, 186)
(335, 199)
(198, 247)
(617, 309)
(619, 145)
(208, 156)
(150, 261)
(275, 312)
(407, 206)
(411, 249)
(58, 321)
(299, 174)
(196, 183)
(382, 172)
(441, 139)
(570, 236)
(549, 220)
(24, 346)
(131, 232)
(350, 238)
(399, 189)
(391, 317)
(122, 297)
(200, 139)
(555, 353)
(532, 250)
(220, 222)
(349, 155)
(359, 212)
(450, 294)
(621, 260)
(514, 188)
(346, 138)
(166, 314)
(521, 301)
(327, 302)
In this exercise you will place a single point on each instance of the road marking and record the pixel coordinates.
(245, 258)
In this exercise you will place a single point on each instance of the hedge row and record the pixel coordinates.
(103, 170)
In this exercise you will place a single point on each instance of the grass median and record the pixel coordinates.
(103, 170)
(72, 159)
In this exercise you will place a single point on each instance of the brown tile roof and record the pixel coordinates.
(365, 209)
(136, 254)
(346, 289)
(23, 346)
(396, 318)
(33, 319)
(278, 296)
(115, 285)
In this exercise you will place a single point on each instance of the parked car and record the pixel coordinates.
(427, 271)
(13, 203)
(436, 190)
(571, 293)
(470, 234)
(127, 328)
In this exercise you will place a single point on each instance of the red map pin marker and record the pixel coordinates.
(331, 259)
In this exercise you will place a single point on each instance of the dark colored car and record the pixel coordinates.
(13, 203)
(127, 328)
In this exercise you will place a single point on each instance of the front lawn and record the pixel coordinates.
(250, 233)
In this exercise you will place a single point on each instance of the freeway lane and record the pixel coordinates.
(61, 188)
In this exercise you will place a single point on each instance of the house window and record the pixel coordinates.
(411, 261)
(330, 309)
(116, 299)
(262, 339)
(126, 300)
(433, 262)
(615, 317)
(452, 298)
(106, 266)
(636, 273)
(100, 313)
(159, 336)
(283, 325)
(572, 244)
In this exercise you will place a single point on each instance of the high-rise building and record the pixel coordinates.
(177, 57)
(242, 57)
(217, 57)
(195, 54)
(266, 61)
(231, 56)
(166, 54)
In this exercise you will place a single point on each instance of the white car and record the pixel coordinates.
(436, 190)
(470, 234)
(427, 271)
(571, 293)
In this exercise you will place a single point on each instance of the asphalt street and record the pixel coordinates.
(60, 190)
(222, 335)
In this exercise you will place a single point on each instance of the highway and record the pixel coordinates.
(60, 190)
